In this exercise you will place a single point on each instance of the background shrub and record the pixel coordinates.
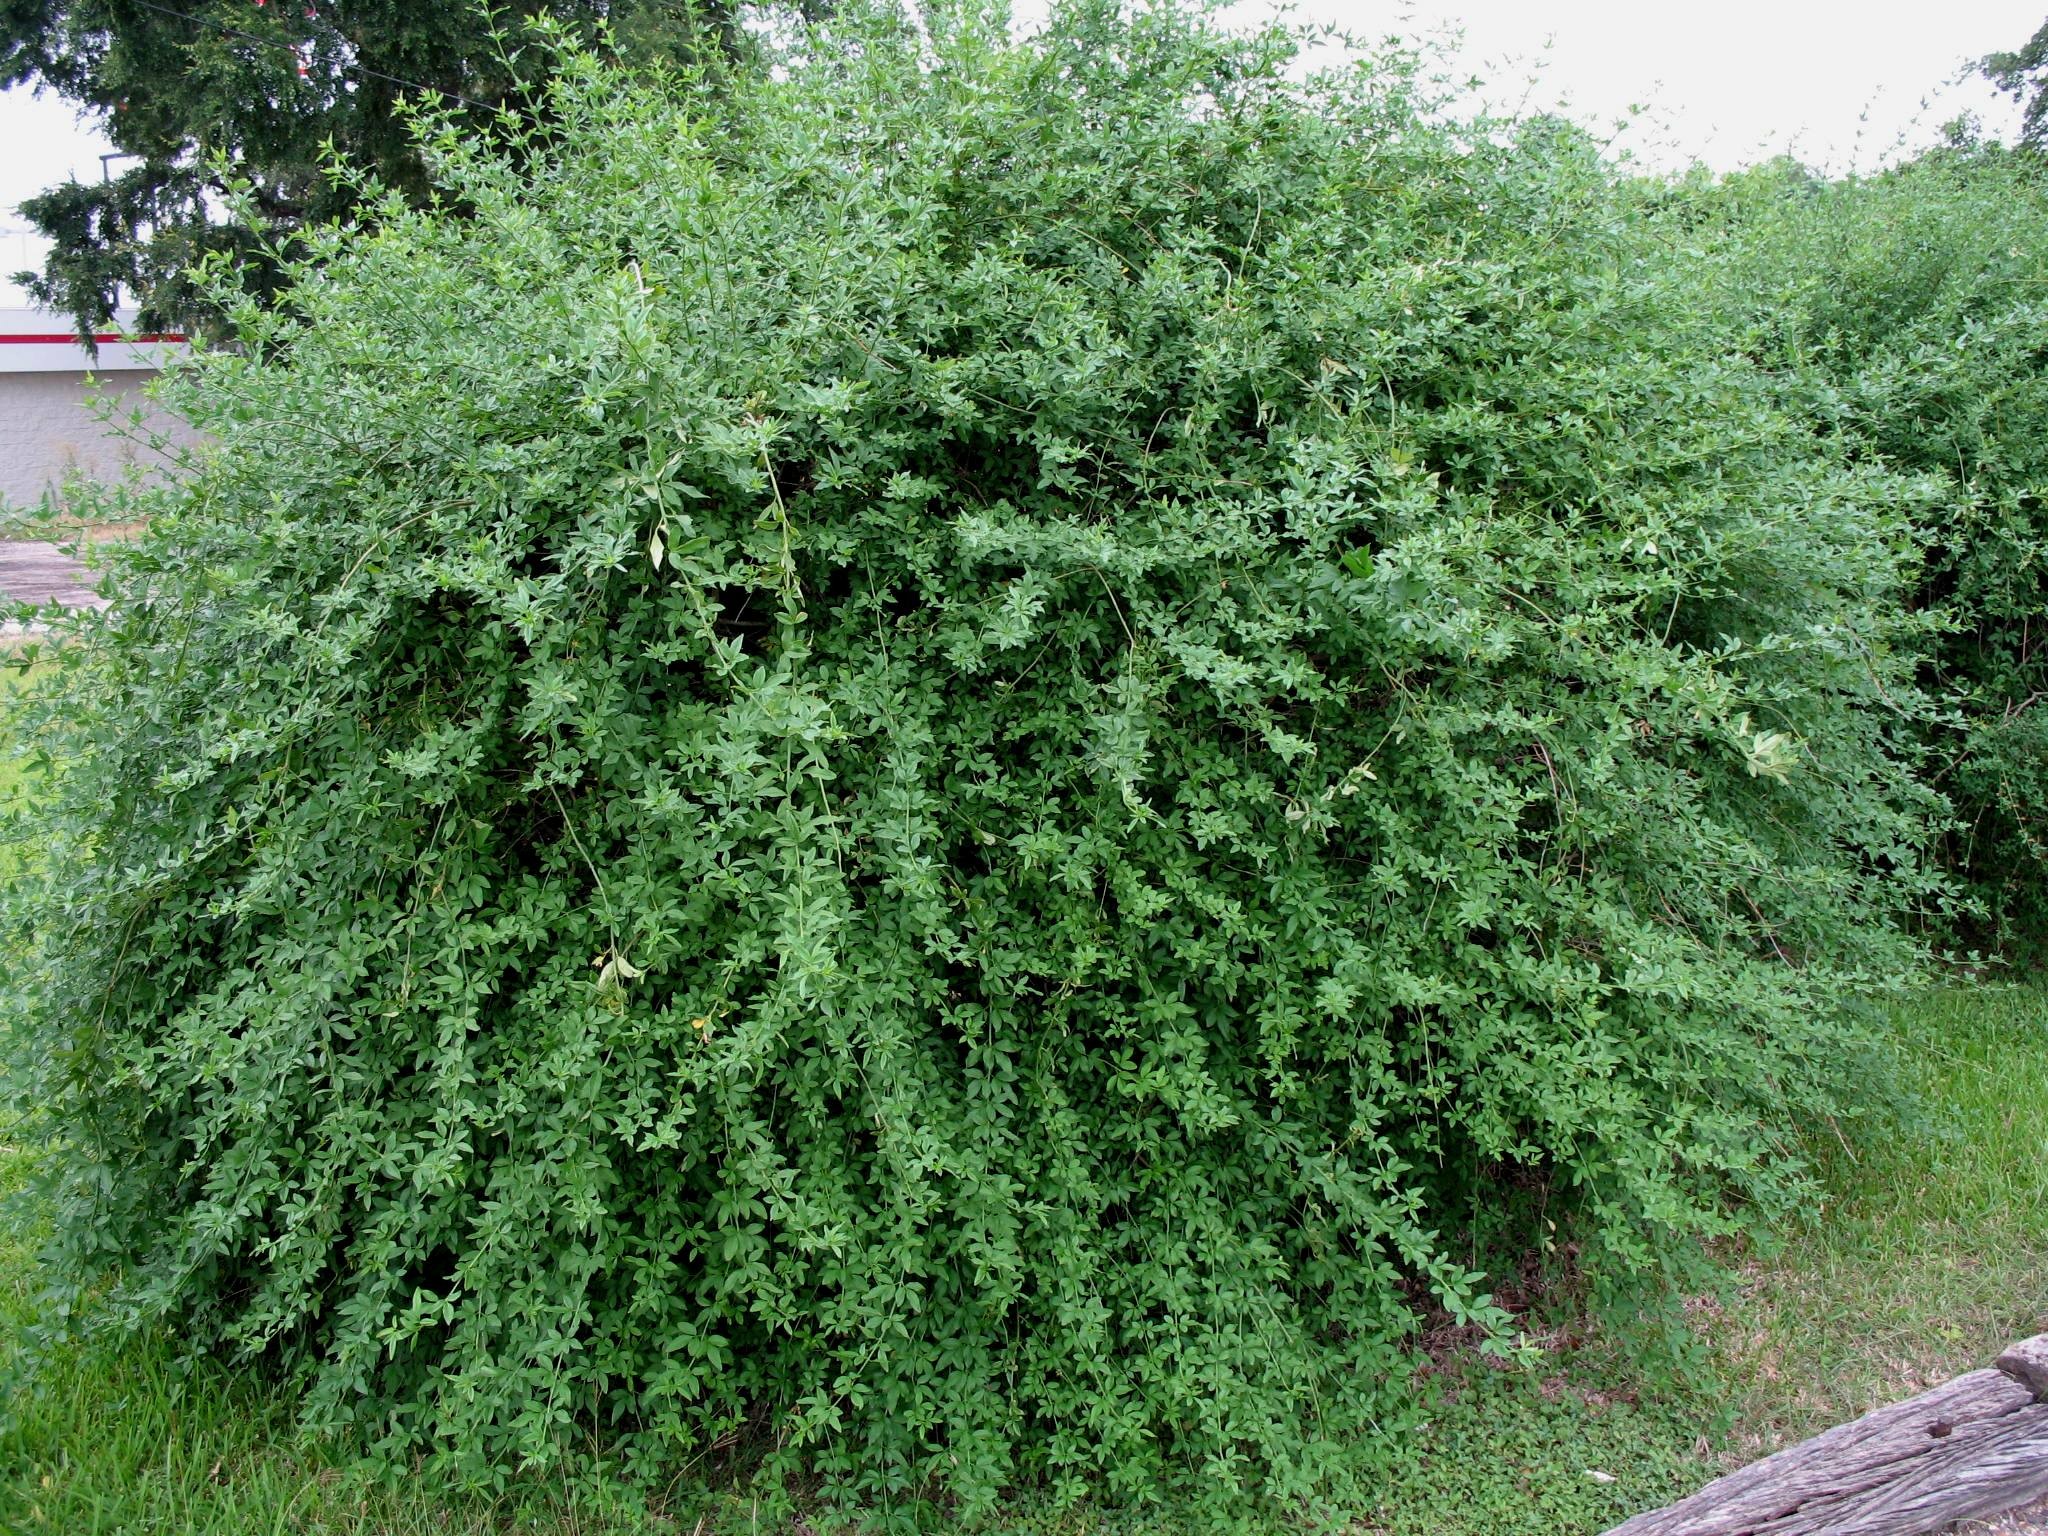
(1906, 316)
(939, 773)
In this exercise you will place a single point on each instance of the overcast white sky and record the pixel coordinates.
(1842, 85)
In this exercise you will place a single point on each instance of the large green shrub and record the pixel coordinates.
(940, 772)
(1906, 316)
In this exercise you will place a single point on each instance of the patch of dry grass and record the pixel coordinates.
(1931, 1254)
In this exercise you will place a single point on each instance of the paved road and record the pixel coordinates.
(41, 573)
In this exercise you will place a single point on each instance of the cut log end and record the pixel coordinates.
(2027, 1363)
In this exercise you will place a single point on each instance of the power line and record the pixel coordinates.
(270, 42)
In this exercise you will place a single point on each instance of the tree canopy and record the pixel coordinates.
(199, 94)
(2023, 74)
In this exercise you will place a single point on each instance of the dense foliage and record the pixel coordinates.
(937, 774)
(192, 93)
(1906, 316)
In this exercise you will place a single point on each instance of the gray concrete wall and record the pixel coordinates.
(47, 430)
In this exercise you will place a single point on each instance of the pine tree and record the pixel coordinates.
(201, 94)
(2023, 75)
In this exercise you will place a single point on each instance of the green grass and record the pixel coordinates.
(122, 1440)
(11, 679)
(1929, 1254)
(1522, 1456)
(1932, 1252)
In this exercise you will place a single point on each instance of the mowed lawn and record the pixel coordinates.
(1929, 1253)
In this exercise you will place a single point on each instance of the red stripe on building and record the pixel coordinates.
(70, 338)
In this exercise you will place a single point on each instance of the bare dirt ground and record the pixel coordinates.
(2030, 1521)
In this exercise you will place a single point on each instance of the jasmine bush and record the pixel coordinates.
(1906, 316)
(932, 775)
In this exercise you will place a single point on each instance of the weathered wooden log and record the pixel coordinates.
(1973, 1447)
(2027, 1361)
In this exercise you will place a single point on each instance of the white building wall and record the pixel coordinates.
(50, 430)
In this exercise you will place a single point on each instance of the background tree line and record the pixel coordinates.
(273, 95)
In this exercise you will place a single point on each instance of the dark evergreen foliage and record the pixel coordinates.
(194, 93)
(2023, 75)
